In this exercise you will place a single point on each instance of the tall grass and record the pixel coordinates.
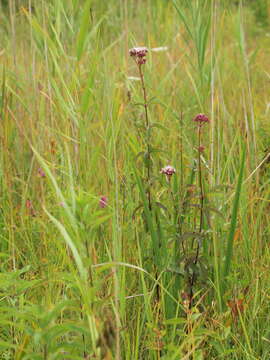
(79, 278)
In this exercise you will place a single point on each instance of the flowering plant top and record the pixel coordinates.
(139, 54)
(138, 51)
(168, 170)
(201, 119)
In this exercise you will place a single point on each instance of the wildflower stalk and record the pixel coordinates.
(139, 55)
(201, 198)
(148, 164)
(200, 181)
(147, 134)
(169, 171)
(200, 119)
(83, 336)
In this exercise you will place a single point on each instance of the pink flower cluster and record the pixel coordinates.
(103, 202)
(201, 119)
(139, 54)
(30, 208)
(168, 170)
(41, 173)
(201, 148)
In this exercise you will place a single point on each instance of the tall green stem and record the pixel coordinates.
(201, 212)
(147, 137)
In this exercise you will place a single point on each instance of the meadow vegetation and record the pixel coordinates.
(134, 184)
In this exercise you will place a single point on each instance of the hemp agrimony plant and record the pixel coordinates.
(139, 56)
(151, 208)
(151, 211)
(187, 226)
(200, 120)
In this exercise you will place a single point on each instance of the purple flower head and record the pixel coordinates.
(141, 61)
(139, 54)
(103, 202)
(28, 204)
(201, 119)
(168, 171)
(41, 173)
(201, 148)
(30, 208)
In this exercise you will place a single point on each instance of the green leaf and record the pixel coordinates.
(161, 206)
(149, 218)
(84, 27)
(70, 244)
(159, 126)
(229, 251)
(176, 270)
(175, 321)
(135, 211)
(183, 18)
(212, 209)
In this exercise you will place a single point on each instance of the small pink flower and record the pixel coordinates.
(30, 208)
(103, 202)
(201, 119)
(139, 54)
(41, 173)
(28, 204)
(141, 61)
(201, 148)
(168, 171)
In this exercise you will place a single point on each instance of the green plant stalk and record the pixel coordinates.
(154, 214)
(149, 220)
(148, 139)
(178, 225)
(200, 186)
(201, 213)
(229, 250)
(84, 28)
(152, 223)
(217, 271)
(197, 19)
(45, 352)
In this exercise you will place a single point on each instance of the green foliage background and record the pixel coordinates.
(78, 281)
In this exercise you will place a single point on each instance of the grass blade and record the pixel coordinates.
(229, 250)
(70, 244)
(86, 17)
